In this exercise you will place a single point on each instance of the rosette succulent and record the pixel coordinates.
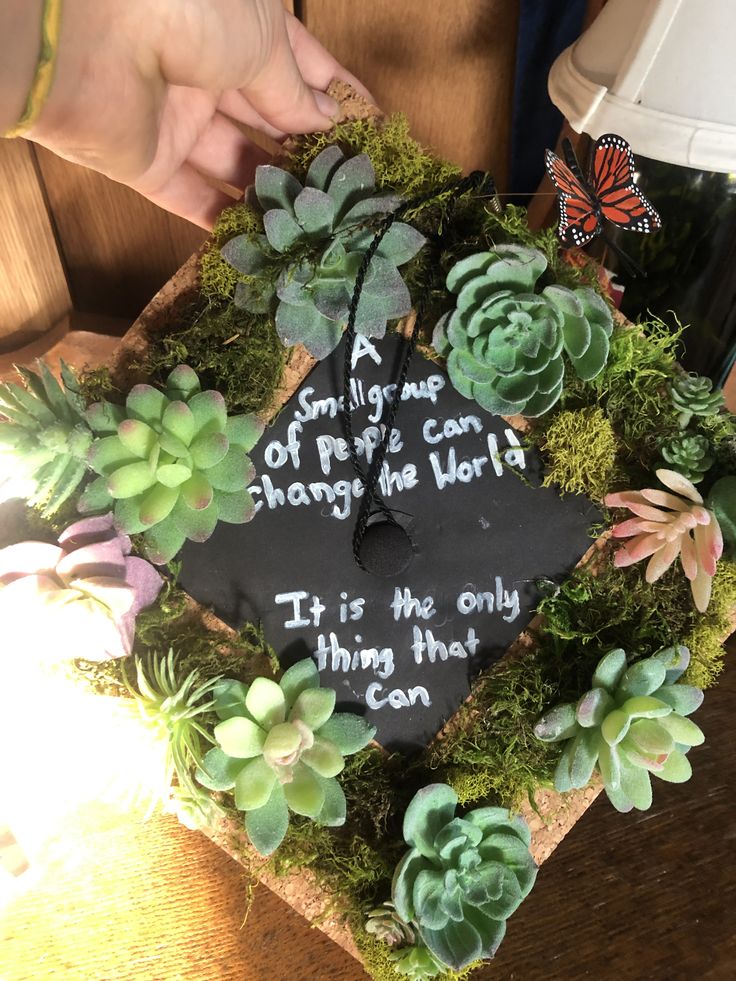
(632, 723)
(385, 924)
(689, 455)
(693, 395)
(77, 599)
(279, 749)
(506, 344)
(666, 526)
(416, 963)
(44, 443)
(463, 877)
(315, 239)
(172, 463)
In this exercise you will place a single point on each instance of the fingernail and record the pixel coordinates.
(326, 104)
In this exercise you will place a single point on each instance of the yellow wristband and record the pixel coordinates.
(44, 77)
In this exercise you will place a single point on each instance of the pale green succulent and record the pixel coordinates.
(506, 344)
(463, 877)
(416, 963)
(693, 395)
(689, 454)
(385, 924)
(44, 443)
(629, 725)
(172, 463)
(279, 749)
(315, 239)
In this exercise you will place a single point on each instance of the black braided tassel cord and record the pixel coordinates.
(371, 503)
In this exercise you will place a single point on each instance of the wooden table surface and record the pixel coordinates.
(625, 898)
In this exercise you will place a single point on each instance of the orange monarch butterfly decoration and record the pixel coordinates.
(609, 193)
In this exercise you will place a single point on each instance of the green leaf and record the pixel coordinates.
(593, 707)
(197, 525)
(229, 696)
(178, 421)
(104, 417)
(313, 707)
(108, 454)
(636, 785)
(428, 894)
(323, 167)
(233, 473)
(267, 825)
(197, 492)
(645, 707)
(276, 188)
(131, 480)
(173, 474)
(324, 758)
(282, 232)
(298, 678)
(266, 703)
(583, 757)
(350, 733)
(498, 820)
(244, 431)
(283, 740)
(676, 769)
(353, 180)
(457, 945)
(147, 404)
(315, 212)
(182, 383)
(246, 255)
(235, 508)
(137, 438)
(218, 771)
(557, 724)
(722, 502)
(615, 726)
(157, 504)
(591, 364)
(306, 325)
(402, 888)
(429, 810)
(683, 731)
(675, 660)
(684, 699)
(305, 794)
(610, 670)
(128, 516)
(209, 450)
(334, 808)
(649, 737)
(642, 678)
(210, 414)
(163, 541)
(240, 738)
(400, 243)
(254, 784)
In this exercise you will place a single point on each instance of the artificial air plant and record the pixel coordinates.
(630, 724)
(279, 749)
(172, 463)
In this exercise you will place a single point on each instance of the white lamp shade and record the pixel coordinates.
(660, 73)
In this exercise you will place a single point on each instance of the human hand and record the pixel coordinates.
(143, 91)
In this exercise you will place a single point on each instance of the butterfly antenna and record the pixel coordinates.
(635, 271)
(571, 160)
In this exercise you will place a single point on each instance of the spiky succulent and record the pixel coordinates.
(689, 455)
(44, 443)
(316, 237)
(505, 343)
(463, 877)
(385, 924)
(416, 963)
(172, 463)
(693, 395)
(175, 712)
(279, 748)
(629, 725)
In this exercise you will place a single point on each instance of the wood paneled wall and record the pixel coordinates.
(72, 239)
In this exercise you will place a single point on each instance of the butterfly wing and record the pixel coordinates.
(579, 212)
(612, 180)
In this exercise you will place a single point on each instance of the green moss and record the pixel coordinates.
(705, 639)
(95, 385)
(399, 162)
(632, 388)
(236, 352)
(580, 450)
(469, 785)
(218, 278)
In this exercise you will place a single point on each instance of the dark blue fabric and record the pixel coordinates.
(546, 27)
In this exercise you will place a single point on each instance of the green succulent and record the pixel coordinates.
(722, 502)
(315, 239)
(689, 455)
(176, 712)
(44, 443)
(693, 395)
(173, 463)
(463, 877)
(385, 924)
(505, 343)
(629, 725)
(279, 749)
(416, 963)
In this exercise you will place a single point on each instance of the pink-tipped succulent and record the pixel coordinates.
(80, 598)
(667, 525)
